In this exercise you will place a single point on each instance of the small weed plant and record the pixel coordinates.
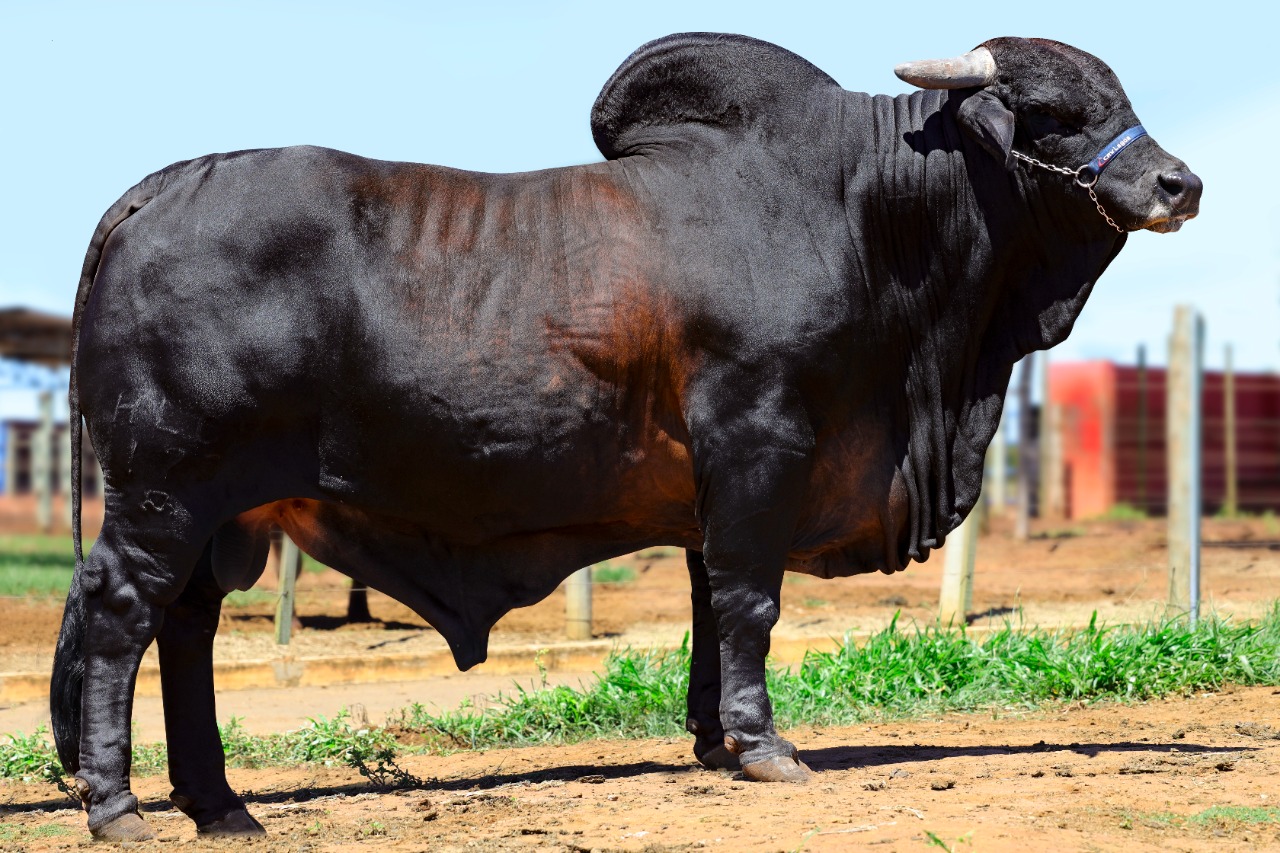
(32, 758)
(1270, 523)
(370, 750)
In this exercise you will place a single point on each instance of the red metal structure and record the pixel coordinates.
(1112, 431)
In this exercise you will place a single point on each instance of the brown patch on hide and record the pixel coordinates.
(297, 517)
(855, 516)
(620, 324)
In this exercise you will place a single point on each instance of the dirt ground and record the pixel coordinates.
(1083, 778)
(1198, 773)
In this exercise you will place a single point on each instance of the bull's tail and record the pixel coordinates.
(68, 660)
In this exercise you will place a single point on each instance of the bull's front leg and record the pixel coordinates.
(751, 462)
(703, 721)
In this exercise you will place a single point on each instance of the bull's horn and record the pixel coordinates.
(975, 68)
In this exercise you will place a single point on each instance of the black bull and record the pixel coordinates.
(774, 328)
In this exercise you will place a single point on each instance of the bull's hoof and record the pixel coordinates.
(128, 827)
(238, 823)
(780, 768)
(718, 758)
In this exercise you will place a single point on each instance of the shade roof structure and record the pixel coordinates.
(35, 336)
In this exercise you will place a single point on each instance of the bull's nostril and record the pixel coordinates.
(1184, 190)
(1172, 183)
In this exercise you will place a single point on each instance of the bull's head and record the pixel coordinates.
(1062, 106)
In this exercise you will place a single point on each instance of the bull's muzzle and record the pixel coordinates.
(1179, 192)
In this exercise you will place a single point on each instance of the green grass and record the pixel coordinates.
(250, 597)
(1061, 533)
(311, 566)
(608, 573)
(371, 750)
(1226, 818)
(660, 552)
(41, 566)
(36, 565)
(40, 832)
(896, 673)
(1124, 512)
(1270, 523)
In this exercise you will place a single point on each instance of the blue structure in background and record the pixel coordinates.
(21, 383)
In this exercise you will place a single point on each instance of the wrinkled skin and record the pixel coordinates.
(775, 328)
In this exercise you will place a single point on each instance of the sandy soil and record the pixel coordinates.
(1108, 777)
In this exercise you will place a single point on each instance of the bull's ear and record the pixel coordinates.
(989, 122)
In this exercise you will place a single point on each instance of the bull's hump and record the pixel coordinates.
(689, 83)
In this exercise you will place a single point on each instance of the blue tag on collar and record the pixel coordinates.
(1114, 147)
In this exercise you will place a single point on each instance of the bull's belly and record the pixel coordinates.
(461, 588)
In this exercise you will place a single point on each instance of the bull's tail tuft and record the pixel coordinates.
(68, 677)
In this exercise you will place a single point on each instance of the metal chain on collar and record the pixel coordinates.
(1074, 174)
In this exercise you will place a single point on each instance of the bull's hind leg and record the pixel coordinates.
(138, 566)
(704, 675)
(197, 767)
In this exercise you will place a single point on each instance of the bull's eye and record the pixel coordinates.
(1041, 123)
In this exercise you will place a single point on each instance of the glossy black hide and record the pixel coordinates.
(774, 328)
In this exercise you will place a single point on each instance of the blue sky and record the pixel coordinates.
(97, 95)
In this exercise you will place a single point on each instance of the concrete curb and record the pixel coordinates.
(290, 671)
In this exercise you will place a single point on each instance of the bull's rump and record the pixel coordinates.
(443, 346)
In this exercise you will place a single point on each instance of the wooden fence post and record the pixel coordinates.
(1230, 505)
(959, 555)
(41, 463)
(997, 471)
(64, 474)
(290, 562)
(1044, 444)
(1022, 530)
(1183, 392)
(577, 605)
(10, 442)
(1053, 501)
